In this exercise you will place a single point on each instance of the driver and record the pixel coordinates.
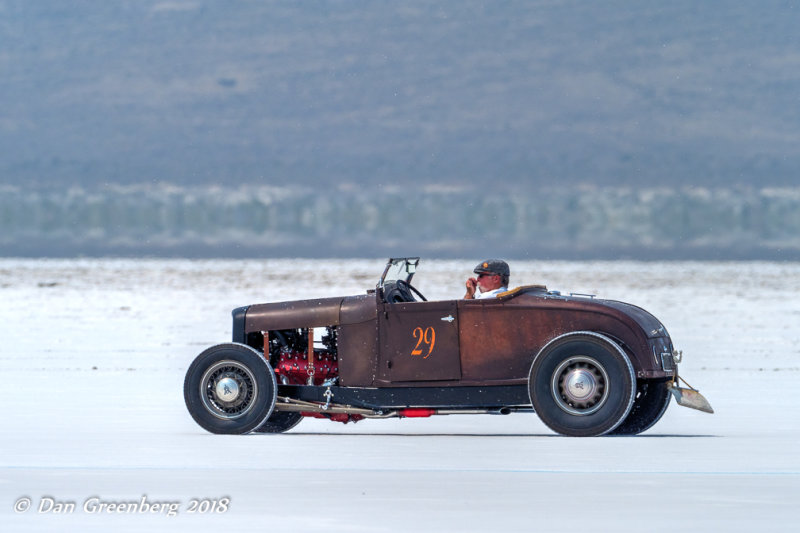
(493, 275)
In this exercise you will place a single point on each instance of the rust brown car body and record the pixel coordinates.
(489, 342)
(586, 366)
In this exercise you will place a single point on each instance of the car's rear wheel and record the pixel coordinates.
(582, 384)
(230, 388)
(649, 405)
(279, 422)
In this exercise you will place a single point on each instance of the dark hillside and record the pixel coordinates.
(516, 94)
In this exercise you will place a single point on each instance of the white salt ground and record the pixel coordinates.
(95, 431)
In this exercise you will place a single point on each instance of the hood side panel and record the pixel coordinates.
(297, 314)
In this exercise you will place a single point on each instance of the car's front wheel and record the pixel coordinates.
(582, 384)
(230, 388)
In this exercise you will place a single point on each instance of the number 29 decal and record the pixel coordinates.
(426, 340)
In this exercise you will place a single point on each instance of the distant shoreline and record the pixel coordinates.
(649, 224)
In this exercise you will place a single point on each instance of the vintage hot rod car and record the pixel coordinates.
(586, 366)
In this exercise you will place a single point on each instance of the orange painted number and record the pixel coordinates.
(425, 338)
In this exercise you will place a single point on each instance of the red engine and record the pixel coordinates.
(288, 354)
(292, 367)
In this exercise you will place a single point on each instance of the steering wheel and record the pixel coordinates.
(404, 285)
(400, 291)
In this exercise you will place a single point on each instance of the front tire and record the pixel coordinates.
(230, 389)
(582, 384)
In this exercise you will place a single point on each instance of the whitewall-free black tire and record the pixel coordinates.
(230, 389)
(582, 384)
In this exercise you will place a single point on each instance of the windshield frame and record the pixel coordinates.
(399, 268)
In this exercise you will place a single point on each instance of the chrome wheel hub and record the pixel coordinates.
(580, 385)
(228, 390)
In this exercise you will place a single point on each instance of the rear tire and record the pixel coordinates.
(649, 405)
(280, 422)
(230, 389)
(582, 384)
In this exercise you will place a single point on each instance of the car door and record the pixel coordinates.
(419, 342)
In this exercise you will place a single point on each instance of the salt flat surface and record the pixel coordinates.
(94, 353)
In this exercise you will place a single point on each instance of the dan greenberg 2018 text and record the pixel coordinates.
(95, 505)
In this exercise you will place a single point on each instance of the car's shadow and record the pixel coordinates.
(485, 435)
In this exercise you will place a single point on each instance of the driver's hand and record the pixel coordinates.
(472, 285)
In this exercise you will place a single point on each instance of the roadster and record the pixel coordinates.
(585, 366)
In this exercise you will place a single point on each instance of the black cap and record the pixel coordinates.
(493, 266)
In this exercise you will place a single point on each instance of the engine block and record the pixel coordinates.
(292, 367)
